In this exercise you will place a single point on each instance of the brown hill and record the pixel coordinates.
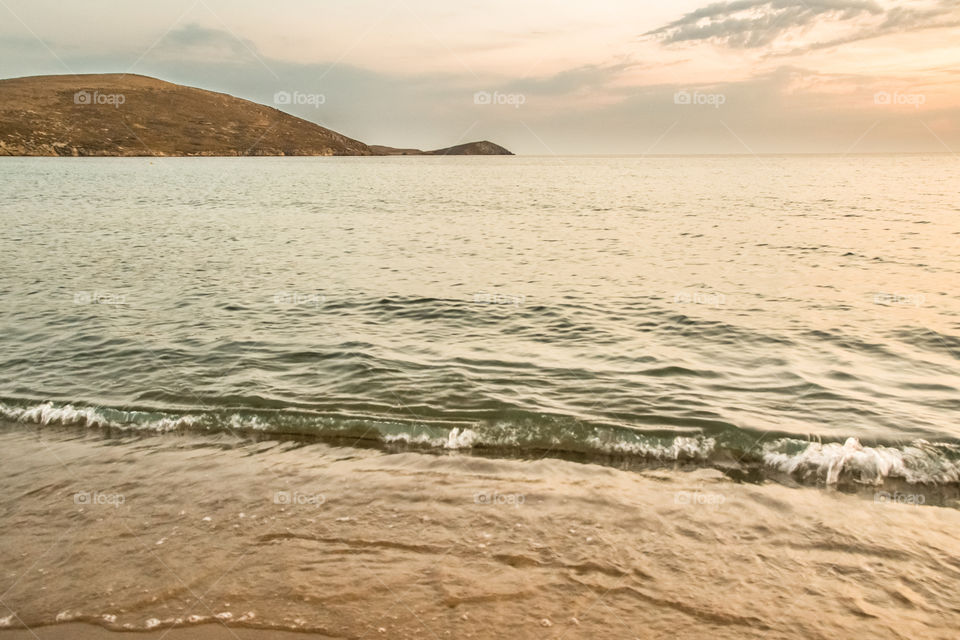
(133, 115)
(482, 148)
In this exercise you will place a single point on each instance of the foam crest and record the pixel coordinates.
(918, 463)
(830, 463)
(48, 413)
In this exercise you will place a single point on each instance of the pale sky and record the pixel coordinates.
(598, 77)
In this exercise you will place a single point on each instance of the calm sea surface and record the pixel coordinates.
(793, 314)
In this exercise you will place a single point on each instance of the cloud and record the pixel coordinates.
(753, 24)
(193, 41)
(757, 23)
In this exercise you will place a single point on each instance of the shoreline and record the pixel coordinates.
(303, 537)
(844, 465)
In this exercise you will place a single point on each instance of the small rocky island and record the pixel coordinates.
(482, 148)
(134, 115)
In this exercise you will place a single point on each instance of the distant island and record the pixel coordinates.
(482, 148)
(134, 115)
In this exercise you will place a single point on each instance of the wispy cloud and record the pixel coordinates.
(754, 24)
(193, 40)
(758, 23)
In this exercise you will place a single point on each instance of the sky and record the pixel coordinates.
(539, 76)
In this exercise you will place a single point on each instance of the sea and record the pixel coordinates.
(588, 329)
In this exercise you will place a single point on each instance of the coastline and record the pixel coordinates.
(928, 469)
(314, 539)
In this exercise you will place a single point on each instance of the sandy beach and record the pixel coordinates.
(199, 534)
(205, 632)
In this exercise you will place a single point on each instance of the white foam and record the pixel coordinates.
(918, 463)
(682, 447)
(458, 439)
(413, 439)
(47, 413)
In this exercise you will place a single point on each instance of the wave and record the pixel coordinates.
(830, 463)
(919, 462)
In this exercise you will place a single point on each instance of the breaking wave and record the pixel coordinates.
(808, 461)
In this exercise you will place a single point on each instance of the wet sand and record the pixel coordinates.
(204, 632)
(203, 533)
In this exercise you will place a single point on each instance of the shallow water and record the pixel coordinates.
(722, 310)
(181, 531)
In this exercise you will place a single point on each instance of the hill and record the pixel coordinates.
(134, 115)
(482, 148)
